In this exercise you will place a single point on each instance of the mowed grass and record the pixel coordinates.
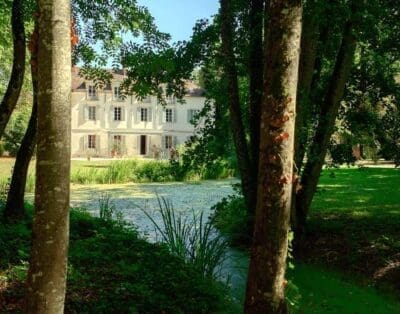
(362, 192)
(318, 291)
(354, 225)
(352, 246)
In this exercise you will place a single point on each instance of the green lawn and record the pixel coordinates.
(354, 225)
(351, 249)
(361, 192)
(324, 292)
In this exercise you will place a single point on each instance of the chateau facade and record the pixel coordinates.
(104, 124)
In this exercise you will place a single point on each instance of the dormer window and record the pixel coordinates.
(171, 100)
(146, 100)
(92, 92)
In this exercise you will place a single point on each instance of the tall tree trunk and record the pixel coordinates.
(255, 77)
(326, 124)
(266, 279)
(308, 55)
(242, 151)
(14, 208)
(46, 281)
(11, 95)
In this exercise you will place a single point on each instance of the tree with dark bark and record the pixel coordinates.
(248, 176)
(325, 127)
(46, 282)
(14, 208)
(266, 279)
(13, 90)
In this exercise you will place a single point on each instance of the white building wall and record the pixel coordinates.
(130, 128)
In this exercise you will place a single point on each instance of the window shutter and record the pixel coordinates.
(82, 143)
(98, 109)
(149, 115)
(164, 116)
(188, 116)
(98, 143)
(175, 115)
(138, 115)
(163, 142)
(123, 148)
(175, 139)
(112, 113)
(122, 113)
(86, 113)
(85, 142)
(138, 145)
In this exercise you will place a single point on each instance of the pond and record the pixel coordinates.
(186, 198)
(131, 199)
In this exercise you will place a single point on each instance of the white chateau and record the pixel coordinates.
(104, 124)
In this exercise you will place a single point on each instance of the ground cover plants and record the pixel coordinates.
(111, 267)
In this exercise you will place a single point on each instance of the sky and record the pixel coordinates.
(177, 17)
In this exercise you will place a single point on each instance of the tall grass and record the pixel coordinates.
(124, 171)
(193, 240)
(117, 172)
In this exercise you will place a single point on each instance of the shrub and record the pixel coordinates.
(230, 218)
(217, 169)
(154, 171)
(341, 153)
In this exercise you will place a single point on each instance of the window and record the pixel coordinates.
(168, 141)
(92, 93)
(117, 93)
(147, 100)
(92, 113)
(117, 139)
(92, 141)
(117, 113)
(191, 113)
(171, 100)
(144, 115)
(168, 115)
(117, 144)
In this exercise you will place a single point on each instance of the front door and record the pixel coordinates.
(142, 144)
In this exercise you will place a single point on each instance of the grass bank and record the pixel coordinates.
(111, 269)
(124, 171)
(353, 227)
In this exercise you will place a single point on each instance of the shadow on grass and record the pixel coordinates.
(367, 245)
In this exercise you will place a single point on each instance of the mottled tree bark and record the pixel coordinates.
(14, 208)
(242, 150)
(11, 95)
(326, 124)
(46, 281)
(266, 279)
